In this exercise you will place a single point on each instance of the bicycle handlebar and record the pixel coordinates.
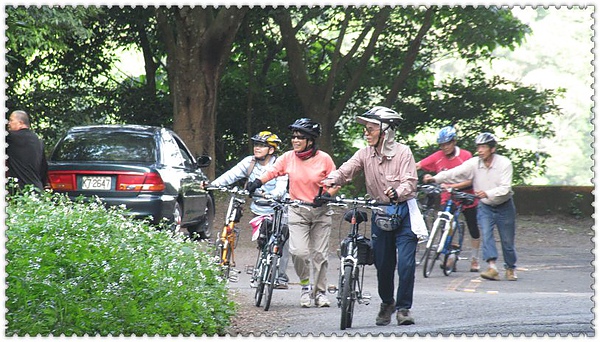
(234, 190)
(284, 201)
(433, 188)
(456, 194)
(364, 202)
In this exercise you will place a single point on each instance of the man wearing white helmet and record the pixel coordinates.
(448, 157)
(391, 175)
(492, 181)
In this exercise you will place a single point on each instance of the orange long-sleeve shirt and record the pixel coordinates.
(305, 176)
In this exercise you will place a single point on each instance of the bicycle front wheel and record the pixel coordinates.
(226, 260)
(431, 253)
(224, 253)
(271, 279)
(260, 282)
(347, 297)
(450, 260)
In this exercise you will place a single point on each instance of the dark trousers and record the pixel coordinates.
(395, 249)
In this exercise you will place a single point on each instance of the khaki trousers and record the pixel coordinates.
(309, 243)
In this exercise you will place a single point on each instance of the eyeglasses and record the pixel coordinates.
(299, 137)
(369, 130)
(260, 145)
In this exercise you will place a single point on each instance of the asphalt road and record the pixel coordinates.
(552, 297)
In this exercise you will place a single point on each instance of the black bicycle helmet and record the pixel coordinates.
(487, 139)
(382, 115)
(306, 125)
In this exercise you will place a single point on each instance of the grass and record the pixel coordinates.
(80, 268)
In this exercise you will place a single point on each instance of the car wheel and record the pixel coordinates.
(208, 223)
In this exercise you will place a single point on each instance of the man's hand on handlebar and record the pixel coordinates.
(391, 193)
(427, 178)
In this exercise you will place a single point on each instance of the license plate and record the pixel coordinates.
(95, 183)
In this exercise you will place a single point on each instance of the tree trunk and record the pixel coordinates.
(317, 98)
(198, 42)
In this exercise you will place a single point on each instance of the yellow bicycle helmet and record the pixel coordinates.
(268, 138)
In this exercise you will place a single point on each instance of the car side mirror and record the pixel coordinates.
(203, 161)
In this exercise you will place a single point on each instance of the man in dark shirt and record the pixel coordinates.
(25, 152)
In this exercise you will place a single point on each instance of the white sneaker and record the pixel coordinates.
(305, 299)
(321, 300)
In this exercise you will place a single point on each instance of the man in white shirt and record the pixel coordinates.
(492, 181)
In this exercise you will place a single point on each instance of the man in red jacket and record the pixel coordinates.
(450, 156)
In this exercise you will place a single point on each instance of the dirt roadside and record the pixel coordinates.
(542, 231)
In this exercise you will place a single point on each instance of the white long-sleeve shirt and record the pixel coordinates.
(276, 187)
(495, 181)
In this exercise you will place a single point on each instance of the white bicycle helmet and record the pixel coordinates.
(487, 139)
(380, 115)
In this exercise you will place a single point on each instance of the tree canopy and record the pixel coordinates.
(218, 75)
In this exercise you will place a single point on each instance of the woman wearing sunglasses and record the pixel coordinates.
(306, 166)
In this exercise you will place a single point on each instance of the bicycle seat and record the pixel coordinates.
(361, 216)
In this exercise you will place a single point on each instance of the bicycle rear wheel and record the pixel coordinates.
(429, 218)
(347, 297)
(271, 278)
(431, 253)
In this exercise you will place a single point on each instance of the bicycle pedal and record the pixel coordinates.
(332, 289)
(249, 269)
(364, 301)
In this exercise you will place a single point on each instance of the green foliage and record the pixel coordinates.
(79, 268)
(61, 59)
(575, 206)
(58, 66)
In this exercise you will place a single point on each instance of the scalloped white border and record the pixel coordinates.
(595, 120)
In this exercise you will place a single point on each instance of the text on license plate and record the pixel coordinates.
(95, 183)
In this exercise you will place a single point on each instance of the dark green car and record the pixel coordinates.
(148, 169)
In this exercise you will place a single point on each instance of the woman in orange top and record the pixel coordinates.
(306, 166)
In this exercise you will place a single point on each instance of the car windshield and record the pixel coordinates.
(106, 146)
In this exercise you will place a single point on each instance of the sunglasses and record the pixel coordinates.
(370, 130)
(299, 137)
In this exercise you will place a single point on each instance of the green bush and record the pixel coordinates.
(79, 268)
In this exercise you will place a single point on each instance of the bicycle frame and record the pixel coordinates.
(447, 220)
(266, 271)
(351, 273)
(428, 202)
(227, 240)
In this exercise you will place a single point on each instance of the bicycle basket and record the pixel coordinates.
(264, 232)
(365, 254)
